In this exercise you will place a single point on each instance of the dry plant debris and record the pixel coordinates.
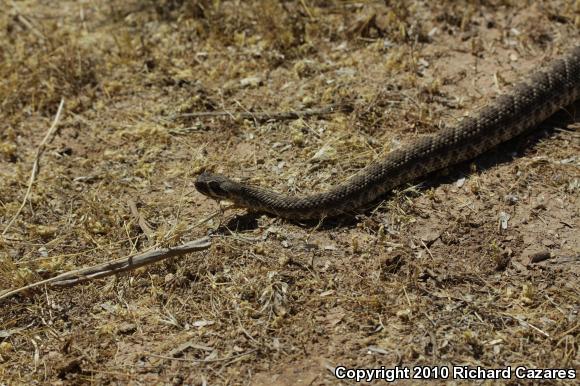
(477, 266)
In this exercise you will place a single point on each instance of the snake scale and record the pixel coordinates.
(528, 104)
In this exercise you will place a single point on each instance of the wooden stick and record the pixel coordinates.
(116, 266)
(264, 115)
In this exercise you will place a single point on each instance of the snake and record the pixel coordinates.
(507, 116)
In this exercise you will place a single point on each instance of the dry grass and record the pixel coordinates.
(427, 277)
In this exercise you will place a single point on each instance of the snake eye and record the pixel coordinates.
(202, 187)
(216, 188)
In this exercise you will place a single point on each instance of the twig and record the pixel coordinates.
(143, 224)
(527, 324)
(264, 115)
(427, 249)
(129, 263)
(116, 266)
(39, 152)
(27, 23)
(203, 360)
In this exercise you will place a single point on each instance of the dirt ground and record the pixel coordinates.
(444, 272)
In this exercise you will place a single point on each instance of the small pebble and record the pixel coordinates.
(540, 256)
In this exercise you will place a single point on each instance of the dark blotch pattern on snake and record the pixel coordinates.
(528, 104)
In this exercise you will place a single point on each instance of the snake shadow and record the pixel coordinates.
(501, 154)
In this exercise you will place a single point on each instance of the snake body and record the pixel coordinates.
(528, 104)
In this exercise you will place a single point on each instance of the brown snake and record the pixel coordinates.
(508, 116)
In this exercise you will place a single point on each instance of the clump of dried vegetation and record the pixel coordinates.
(435, 275)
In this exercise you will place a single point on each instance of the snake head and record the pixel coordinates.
(215, 186)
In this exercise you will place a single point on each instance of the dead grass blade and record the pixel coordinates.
(39, 152)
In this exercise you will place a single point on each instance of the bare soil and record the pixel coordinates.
(438, 273)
